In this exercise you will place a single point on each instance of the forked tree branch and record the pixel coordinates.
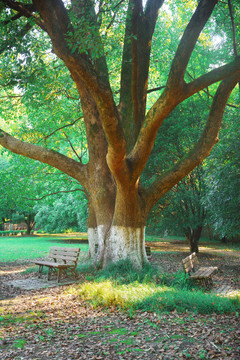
(62, 127)
(26, 10)
(166, 103)
(206, 91)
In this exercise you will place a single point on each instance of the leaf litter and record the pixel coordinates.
(53, 324)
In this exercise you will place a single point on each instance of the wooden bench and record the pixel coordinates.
(60, 260)
(202, 274)
(148, 252)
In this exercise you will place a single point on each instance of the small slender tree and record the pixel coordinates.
(120, 133)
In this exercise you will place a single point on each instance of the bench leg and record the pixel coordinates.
(51, 270)
(40, 269)
(209, 282)
(73, 271)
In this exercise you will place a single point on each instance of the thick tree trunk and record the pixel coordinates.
(193, 236)
(116, 224)
(126, 242)
(126, 237)
(30, 224)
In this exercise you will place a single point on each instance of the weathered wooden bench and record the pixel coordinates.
(202, 274)
(60, 260)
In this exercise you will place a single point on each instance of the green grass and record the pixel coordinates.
(120, 285)
(126, 289)
(23, 248)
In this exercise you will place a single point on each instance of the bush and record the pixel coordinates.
(12, 232)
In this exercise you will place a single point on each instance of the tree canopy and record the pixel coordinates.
(103, 76)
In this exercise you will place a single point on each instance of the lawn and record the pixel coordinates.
(27, 248)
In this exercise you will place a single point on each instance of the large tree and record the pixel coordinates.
(121, 133)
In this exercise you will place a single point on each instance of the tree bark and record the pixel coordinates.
(126, 236)
(30, 223)
(192, 237)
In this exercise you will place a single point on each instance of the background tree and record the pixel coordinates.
(67, 211)
(6, 202)
(181, 210)
(222, 196)
(120, 132)
(37, 194)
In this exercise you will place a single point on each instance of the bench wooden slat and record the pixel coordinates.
(62, 257)
(204, 274)
(53, 264)
(64, 249)
(54, 251)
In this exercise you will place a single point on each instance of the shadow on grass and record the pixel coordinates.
(149, 290)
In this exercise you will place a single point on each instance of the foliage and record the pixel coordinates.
(25, 181)
(181, 210)
(68, 211)
(222, 196)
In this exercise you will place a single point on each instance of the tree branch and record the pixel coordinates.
(203, 147)
(206, 91)
(233, 28)
(137, 13)
(13, 18)
(188, 42)
(58, 26)
(163, 107)
(156, 89)
(55, 193)
(65, 164)
(26, 10)
(70, 143)
(139, 30)
(62, 127)
(235, 50)
(212, 77)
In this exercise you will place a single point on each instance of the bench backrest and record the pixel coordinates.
(148, 251)
(64, 255)
(190, 263)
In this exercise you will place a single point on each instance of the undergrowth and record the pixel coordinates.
(123, 287)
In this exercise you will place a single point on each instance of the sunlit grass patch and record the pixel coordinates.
(153, 298)
(107, 293)
(125, 288)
